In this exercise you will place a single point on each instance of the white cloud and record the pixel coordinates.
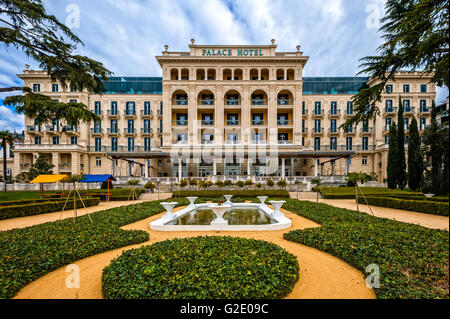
(10, 120)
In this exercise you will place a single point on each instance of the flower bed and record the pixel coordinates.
(202, 268)
(413, 260)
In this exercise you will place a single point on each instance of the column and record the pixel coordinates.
(249, 168)
(332, 170)
(283, 168)
(146, 168)
(316, 167)
(346, 166)
(55, 162)
(214, 170)
(180, 169)
(285, 74)
(75, 163)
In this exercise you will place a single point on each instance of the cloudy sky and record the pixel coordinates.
(126, 34)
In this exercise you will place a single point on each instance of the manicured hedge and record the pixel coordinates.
(423, 206)
(22, 202)
(349, 192)
(117, 194)
(235, 193)
(413, 260)
(202, 268)
(7, 212)
(29, 253)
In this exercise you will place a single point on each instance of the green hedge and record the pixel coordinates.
(413, 260)
(27, 254)
(208, 267)
(7, 212)
(423, 206)
(236, 193)
(22, 202)
(119, 193)
(349, 192)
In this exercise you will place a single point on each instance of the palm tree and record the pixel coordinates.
(6, 137)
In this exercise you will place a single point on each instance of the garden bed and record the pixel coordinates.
(426, 206)
(413, 260)
(349, 192)
(202, 268)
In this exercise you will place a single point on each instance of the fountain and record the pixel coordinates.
(219, 210)
(228, 198)
(168, 207)
(191, 201)
(277, 205)
(263, 199)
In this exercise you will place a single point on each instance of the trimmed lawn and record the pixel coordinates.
(413, 260)
(21, 195)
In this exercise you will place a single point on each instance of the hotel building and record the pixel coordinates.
(224, 112)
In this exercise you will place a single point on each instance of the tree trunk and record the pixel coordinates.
(4, 164)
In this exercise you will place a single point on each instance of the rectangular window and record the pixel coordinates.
(406, 106)
(54, 87)
(97, 108)
(131, 144)
(98, 161)
(317, 143)
(182, 119)
(114, 144)
(333, 109)
(333, 126)
(258, 119)
(389, 107)
(114, 126)
(405, 88)
(113, 108)
(147, 126)
(130, 108)
(389, 88)
(333, 143)
(386, 139)
(388, 123)
(130, 126)
(423, 88)
(423, 106)
(349, 108)
(55, 140)
(147, 110)
(317, 126)
(406, 123)
(232, 119)
(423, 123)
(36, 88)
(349, 143)
(98, 144)
(303, 141)
(364, 160)
(37, 140)
(303, 108)
(317, 108)
(73, 101)
(365, 143)
(147, 145)
(74, 140)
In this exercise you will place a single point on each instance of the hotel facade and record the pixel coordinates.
(224, 112)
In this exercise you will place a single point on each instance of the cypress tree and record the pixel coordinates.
(436, 152)
(401, 161)
(415, 158)
(391, 168)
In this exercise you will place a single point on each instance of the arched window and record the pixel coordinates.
(232, 97)
(259, 97)
(206, 97)
(179, 97)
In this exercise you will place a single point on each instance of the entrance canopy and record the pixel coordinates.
(97, 179)
(45, 179)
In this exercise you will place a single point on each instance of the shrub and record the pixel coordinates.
(240, 184)
(192, 182)
(200, 268)
(150, 186)
(282, 183)
(270, 182)
(413, 260)
(220, 184)
(183, 183)
(32, 252)
(423, 206)
(237, 193)
(258, 185)
(349, 192)
(43, 207)
(228, 182)
(248, 182)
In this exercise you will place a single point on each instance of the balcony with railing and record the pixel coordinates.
(232, 122)
(349, 113)
(97, 112)
(350, 130)
(112, 113)
(285, 142)
(113, 131)
(130, 113)
(409, 110)
(71, 130)
(389, 111)
(96, 131)
(232, 102)
(206, 102)
(207, 122)
(258, 102)
(366, 130)
(283, 122)
(129, 131)
(318, 112)
(259, 122)
(333, 131)
(146, 113)
(425, 110)
(34, 129)
(54, 129)
(318, 130)
(334, 113)
(285, 102)
(179, 102)
(146, 131)
(180, 122)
